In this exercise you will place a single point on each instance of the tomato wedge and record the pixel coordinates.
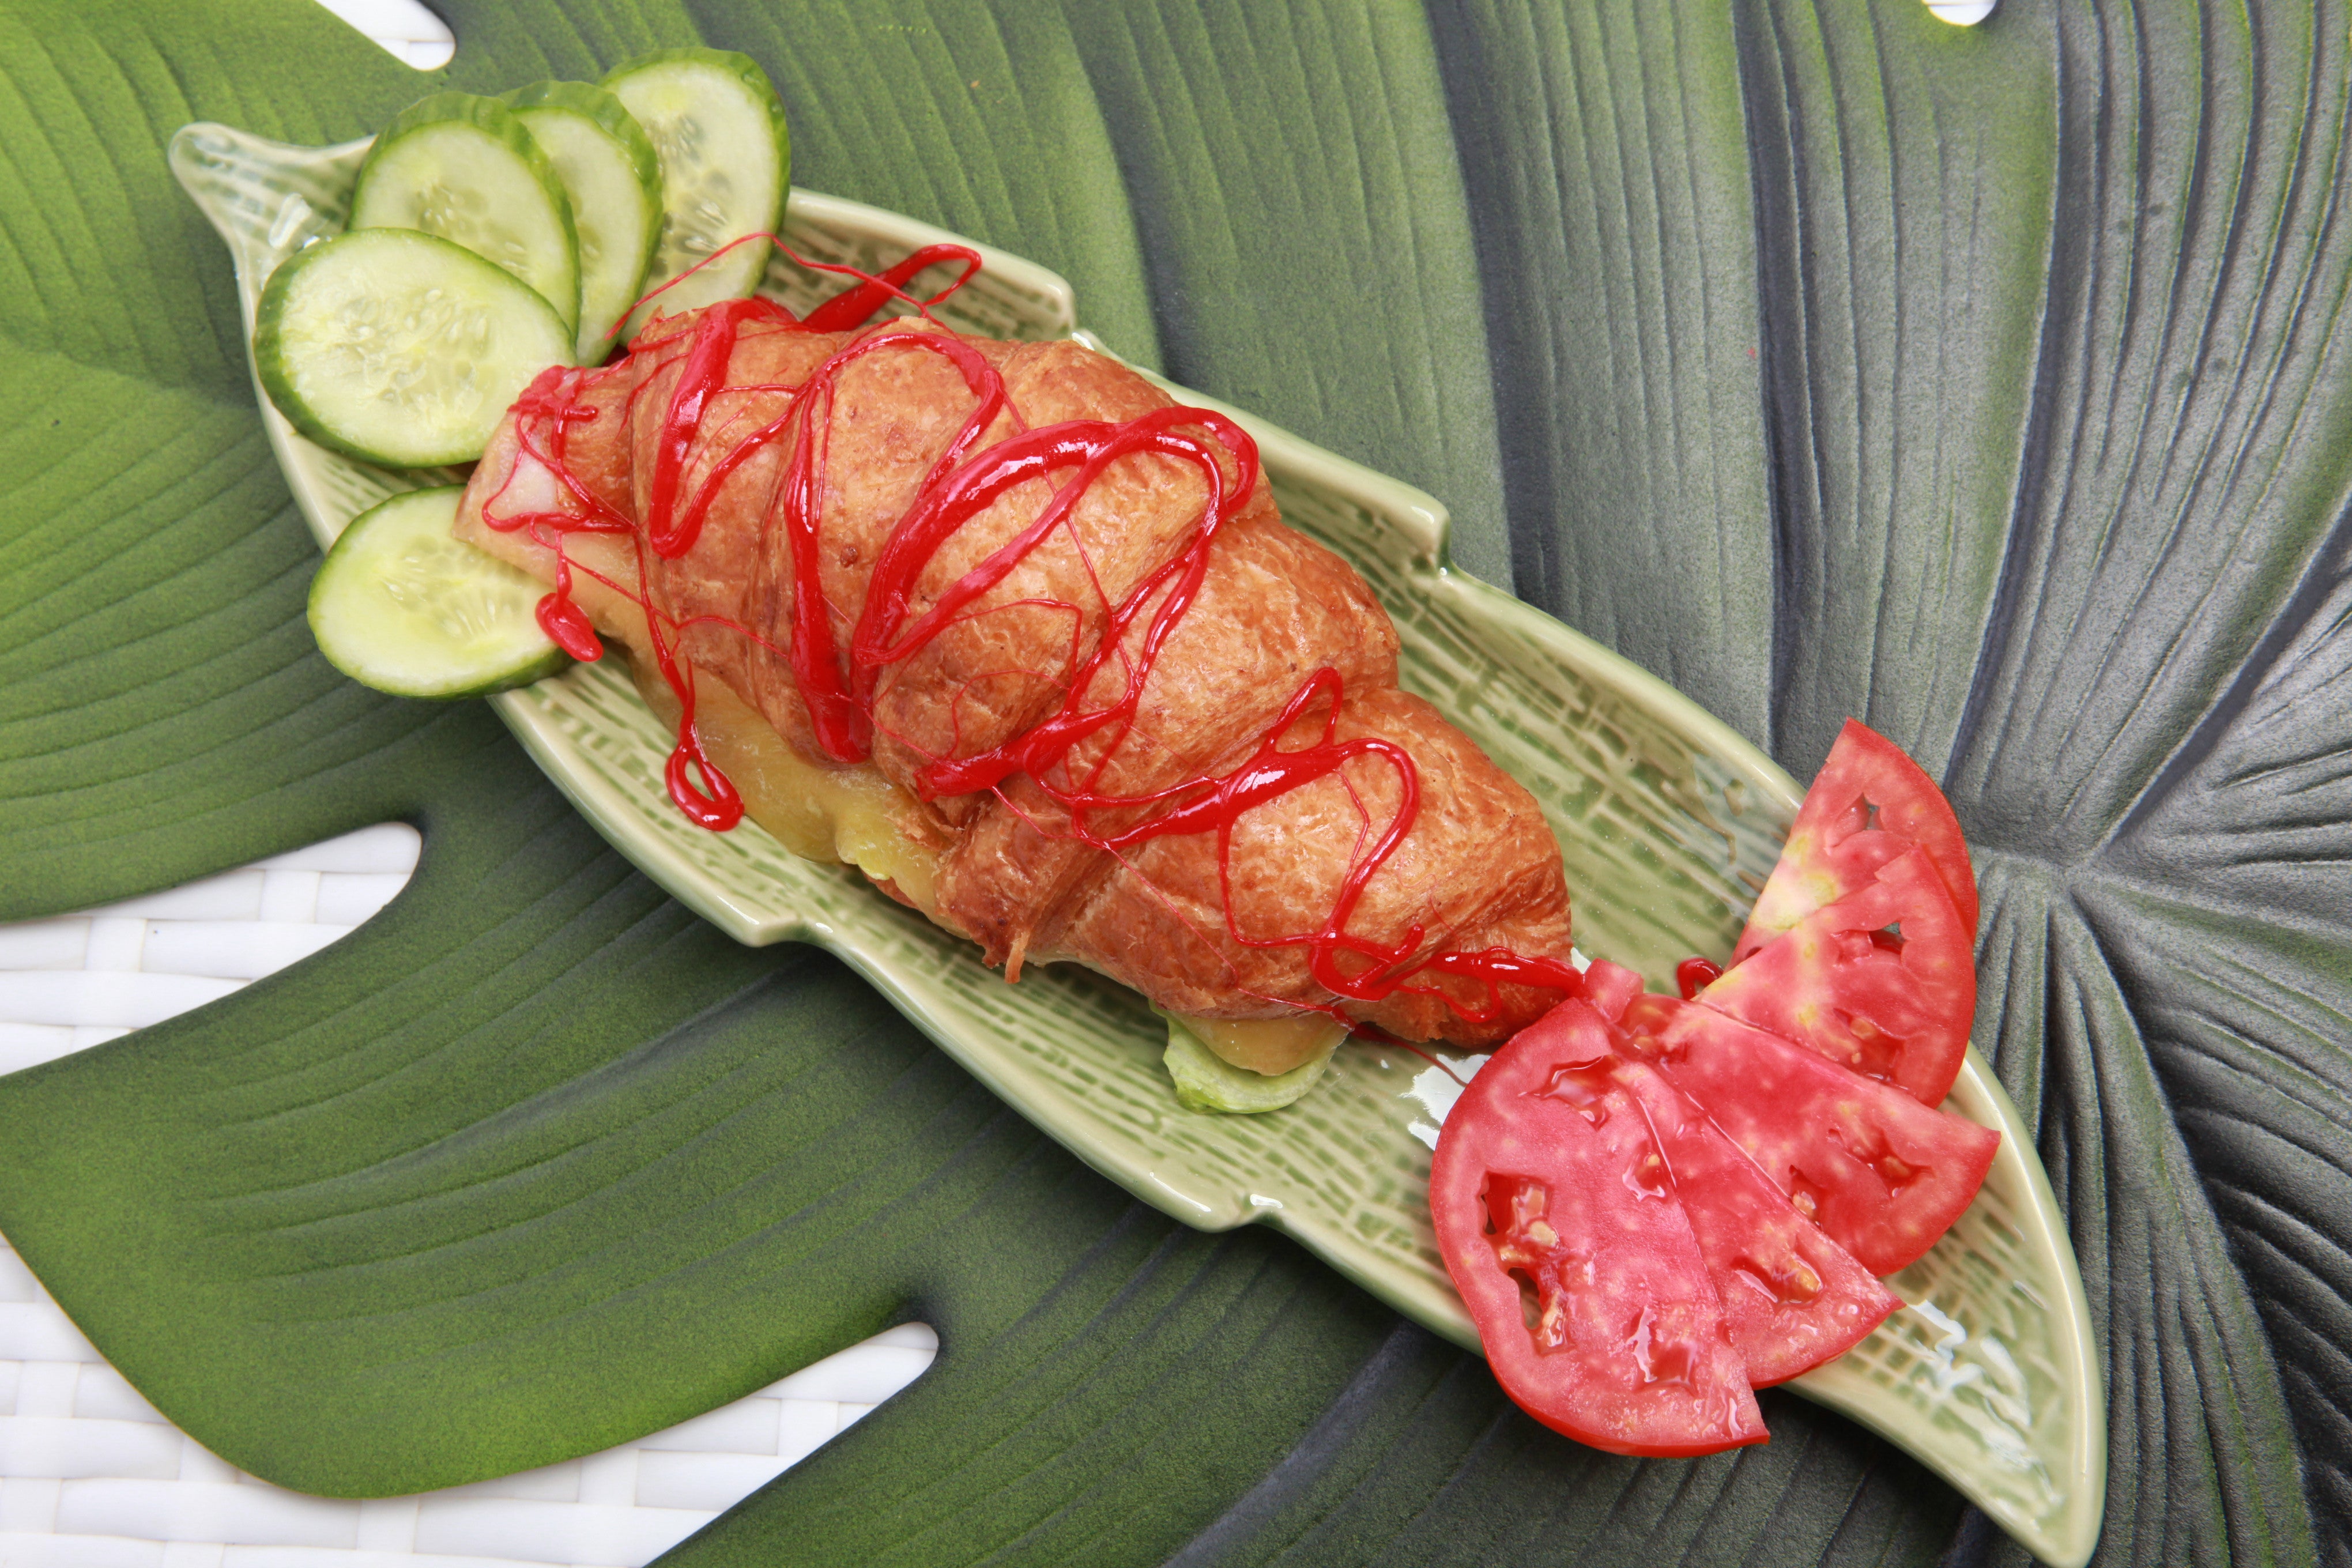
(1791, 1296)
(1559, 1224)
(1883, 1175)
(1835, 847)
(1891, 1007)
(1651, 1206)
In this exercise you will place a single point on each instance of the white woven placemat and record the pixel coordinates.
(91, 1474)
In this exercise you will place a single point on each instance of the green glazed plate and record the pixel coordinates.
(1668, 820)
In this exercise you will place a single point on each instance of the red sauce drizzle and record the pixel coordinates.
(1693, 975)
(961, 485)
(851, 307)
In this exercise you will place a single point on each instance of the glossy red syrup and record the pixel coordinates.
(1693, 975)
(839, 693)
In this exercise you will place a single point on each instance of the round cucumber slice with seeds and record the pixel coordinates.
(464, 168)
(399, 348)
(613, 177)
(402, 606)
(718, 129)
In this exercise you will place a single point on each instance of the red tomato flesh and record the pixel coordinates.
(1888, 1006)
(1558, 1220)
(1883, 1175)
(1651, 1204)
(1791, 1296)
(1609, 987)
(1835, 847)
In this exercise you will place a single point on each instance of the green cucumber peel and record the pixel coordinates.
(467, 170)
(726, 157)
(398, 348)
(402, 606)
(613, 176)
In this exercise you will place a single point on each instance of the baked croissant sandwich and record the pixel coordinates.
(1030, 644)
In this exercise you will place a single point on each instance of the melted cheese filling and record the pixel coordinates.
(848, 812)
(1268, 1046)
(819, 810)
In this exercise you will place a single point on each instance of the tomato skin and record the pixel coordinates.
(1883, 1175)
(1833, 850)
(1791, 1296)
(1650, 1204)
(1828, 982)
(1630, 1352)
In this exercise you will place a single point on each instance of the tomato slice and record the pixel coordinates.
(1559, 1226)
(1835, 849)
(1891, 1007)
(1791, 1296)
(1883, 1175)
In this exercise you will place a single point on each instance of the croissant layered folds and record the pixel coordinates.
(1184, 846)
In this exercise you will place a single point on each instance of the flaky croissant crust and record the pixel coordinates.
(1213, 922)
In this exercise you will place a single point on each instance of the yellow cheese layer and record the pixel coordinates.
(848, 812)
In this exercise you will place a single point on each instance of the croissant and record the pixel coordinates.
(1030, 644)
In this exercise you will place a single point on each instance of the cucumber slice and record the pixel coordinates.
(402, 606)
(726, 157)
(613, 176)
(466, 169)
(398, 348)
(1206, 1081)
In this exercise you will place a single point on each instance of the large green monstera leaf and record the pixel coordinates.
(1986, 384)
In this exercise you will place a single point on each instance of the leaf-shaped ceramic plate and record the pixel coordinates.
(1668, 820)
